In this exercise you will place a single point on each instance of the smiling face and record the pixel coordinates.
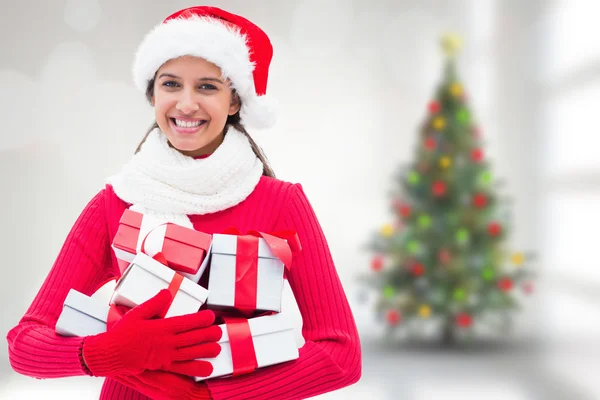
(191, 104)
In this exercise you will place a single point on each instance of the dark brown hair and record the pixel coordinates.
(232, 120)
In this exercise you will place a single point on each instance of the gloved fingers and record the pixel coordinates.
(154, 307)
(202, 335)
(192, 368)
(202, 350)
(182, 323)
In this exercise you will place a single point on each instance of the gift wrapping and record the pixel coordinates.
(244, 274)
(253, 343)
(184, 250)
(145, 277)
(83, 315)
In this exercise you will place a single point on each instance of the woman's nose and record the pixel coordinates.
(187, 103)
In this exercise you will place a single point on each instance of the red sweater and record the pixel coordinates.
(329, 360)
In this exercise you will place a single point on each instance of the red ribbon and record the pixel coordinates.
(115, 313)
(246, 273)
(243, 355)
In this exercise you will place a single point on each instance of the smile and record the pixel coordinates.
(187, 124)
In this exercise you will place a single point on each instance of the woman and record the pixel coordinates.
(205, 72)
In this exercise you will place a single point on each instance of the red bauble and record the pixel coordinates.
(434, 107)
(464, 320)
(479, 200)
(528, 287)
(377, 263)
(393, 317)
(439, 188)
(477, 155)
(405, 211)
(430, 143)
(444, 256)
(505, 284)
(418, 269)
(494, 228)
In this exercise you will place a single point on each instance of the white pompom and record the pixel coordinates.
(259, 112)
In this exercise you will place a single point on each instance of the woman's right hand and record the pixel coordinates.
(138, 342)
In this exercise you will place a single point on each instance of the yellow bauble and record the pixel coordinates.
(387, 230)
(456, 89)
(445, 162)
(424, 311)
(518, 258)
(451, 43)
(439, 123)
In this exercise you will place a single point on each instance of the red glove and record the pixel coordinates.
(160, 385)
(137, 342)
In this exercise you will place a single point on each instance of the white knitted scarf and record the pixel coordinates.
(161, 182)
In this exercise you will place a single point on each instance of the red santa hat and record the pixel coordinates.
(241, 49)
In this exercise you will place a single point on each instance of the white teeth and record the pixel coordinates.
(187, 124)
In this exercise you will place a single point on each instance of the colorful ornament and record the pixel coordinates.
(445, 162)
(424, 221)
(424, 311)
(456, 89)
(505, 284)
(463, 116)
(414, 178)
(377, 263)
(477, 155)
(479, 200)
(387, 230)
(462, 236)
(488, 274)
(434, 107)
(494, 228)
(417, 269)
(459, 294)
(430, 143)
(485, 177)
(405, 211)
(528, 287)
(517, 259)
(444, 256)
(388, 292)
(464, 320)
(393, 317)
(439, 188)
(413, 247)
(451, 43)
(439, 123)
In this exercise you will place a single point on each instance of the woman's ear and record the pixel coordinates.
(235, 105)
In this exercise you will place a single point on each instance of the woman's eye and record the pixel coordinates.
(170, 84)
(207, 86)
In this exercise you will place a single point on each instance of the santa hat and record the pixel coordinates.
(240, 48)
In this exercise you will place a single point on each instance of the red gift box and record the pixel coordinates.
(181, 249)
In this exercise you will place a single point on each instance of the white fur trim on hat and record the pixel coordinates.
(210, 39)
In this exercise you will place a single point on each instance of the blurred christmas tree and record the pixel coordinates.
(444, 257)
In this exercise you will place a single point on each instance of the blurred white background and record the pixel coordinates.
(353, 79)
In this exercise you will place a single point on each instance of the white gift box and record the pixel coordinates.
(222, 276)
(274, 343)
(82, 315)
(145, 277)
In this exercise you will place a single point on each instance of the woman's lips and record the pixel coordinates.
(186, 130)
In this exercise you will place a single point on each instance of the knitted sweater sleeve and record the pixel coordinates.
(331, 356)
(34, 348)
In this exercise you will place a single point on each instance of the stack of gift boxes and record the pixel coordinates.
(244, 287)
